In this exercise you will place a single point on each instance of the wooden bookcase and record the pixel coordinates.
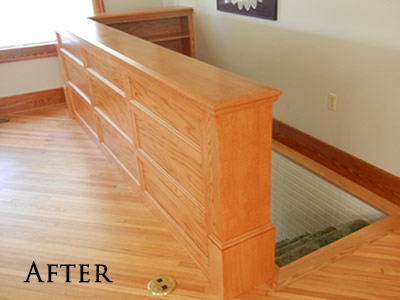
(171, 28)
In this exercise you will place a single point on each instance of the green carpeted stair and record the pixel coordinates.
(287, 251)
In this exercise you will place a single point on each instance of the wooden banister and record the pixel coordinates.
(195, 138)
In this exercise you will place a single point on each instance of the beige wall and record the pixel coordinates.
(42, 74)
(351, 48)
(29, 76)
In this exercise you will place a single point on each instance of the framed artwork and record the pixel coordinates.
(265, 9)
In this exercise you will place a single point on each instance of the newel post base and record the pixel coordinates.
(243, 263)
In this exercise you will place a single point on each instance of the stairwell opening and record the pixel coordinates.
(309, 212)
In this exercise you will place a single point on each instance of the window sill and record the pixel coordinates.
(28, 52)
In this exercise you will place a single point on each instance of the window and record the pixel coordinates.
(28, 26)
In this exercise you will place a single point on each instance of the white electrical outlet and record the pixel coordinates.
(332, 101)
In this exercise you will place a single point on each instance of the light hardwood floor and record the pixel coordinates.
(61, 201)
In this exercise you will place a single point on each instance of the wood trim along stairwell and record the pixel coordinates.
(370, 177)
(338, 180)
(13, 104)
(335, 251)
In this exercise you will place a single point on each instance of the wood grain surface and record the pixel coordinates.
(335, 251)
(28, 101)
(98, 6)
(120, 146)
(178, 158)
(27, 52)
(171, 28)
(203, 163)
(61, 201)
(207, 85)
(168, 106)
(143, 15)
(83, 110)
(77, 75)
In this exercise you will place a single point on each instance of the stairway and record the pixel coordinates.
(289, 250)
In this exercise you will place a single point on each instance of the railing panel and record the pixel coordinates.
(197, 140)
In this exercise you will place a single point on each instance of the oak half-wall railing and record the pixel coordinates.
(195, 139)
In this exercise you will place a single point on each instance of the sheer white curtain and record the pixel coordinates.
(25, 22)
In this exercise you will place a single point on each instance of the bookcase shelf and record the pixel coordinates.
(171, 28)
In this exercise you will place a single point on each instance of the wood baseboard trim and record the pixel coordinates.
(370, 177)
(335, 251)
(18, 103)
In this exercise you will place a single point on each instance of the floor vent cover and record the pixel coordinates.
(162, 285)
